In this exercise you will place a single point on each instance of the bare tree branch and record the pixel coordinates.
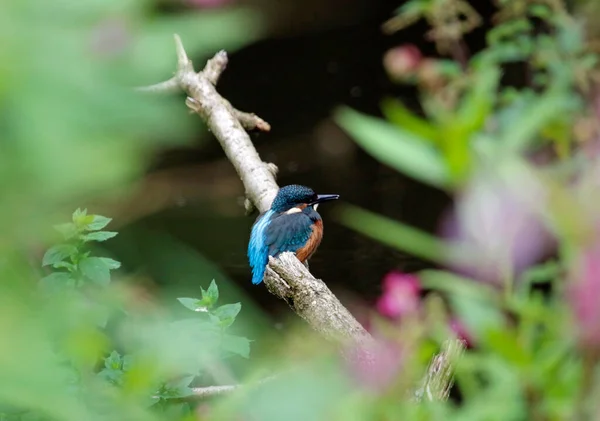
(285, 277)
(170, 86)
(289, 279)
(208, 391)
(440, 374)
(308, 296)
(215, 66)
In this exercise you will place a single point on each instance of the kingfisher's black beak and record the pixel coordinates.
(324, 198)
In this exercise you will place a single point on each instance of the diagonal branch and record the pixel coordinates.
(285, 277)
(209, 391)
(289, 279)
(439, 379)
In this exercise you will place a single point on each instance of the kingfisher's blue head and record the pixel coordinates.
(295, 195)
(292, 224)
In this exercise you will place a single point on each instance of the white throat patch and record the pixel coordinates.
(293, 210)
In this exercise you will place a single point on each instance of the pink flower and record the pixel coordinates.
(583, 293)
(460, 330)
(400, 295)
(402, 61)
(110, 38)
(203, 411)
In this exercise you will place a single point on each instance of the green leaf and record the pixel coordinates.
(112, 376)
(394, 233)
(449, 68)
(211, 295)
(98, 236)
(479, 314)
(214, 319)
(479, 100)
(177, 389)
(183, 382)
(539, 274)
(395, 147)
(415, 7)
(78, 214)
(469, 119)
(506, 344)
(95, 269)
(520, 134)
(193, 304)
(111, 263)
(227, 313)
(58, 253)
(450, 283)
(570, 38)
(236, 344)
(68, 230)
(505, 32)
(65, 265)
(182, 392)
(402, 117)
(113, 361)
(541, 11)
(98, 222)
(57, 281)
(128, 360)
(81, 219)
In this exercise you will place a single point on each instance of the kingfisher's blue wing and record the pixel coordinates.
(258, 250)
(287, 232)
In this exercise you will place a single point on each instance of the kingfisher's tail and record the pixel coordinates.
(258, 252)
(259, 258)
(258, 273)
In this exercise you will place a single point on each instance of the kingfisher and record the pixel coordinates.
(292, 224)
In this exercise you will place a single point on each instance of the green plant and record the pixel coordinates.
(520, 171)
(147, 375)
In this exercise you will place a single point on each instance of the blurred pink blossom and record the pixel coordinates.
(402, 61)
(583, 294)
(400, 295)
(496, 225)
(376, 366)
(460, 330)
(203, 411)
(110, 37)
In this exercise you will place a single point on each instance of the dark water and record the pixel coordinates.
(294, 83)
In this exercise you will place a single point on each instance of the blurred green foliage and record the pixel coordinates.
(528, 360)
(76, 344)
(161, 358)
(71, 128)
(71, 123)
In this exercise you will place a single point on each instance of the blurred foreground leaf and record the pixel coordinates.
(397, 113)
(321, 385)
(71, 124)
(393, 233)
(395, 147)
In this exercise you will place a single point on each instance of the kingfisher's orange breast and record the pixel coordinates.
(304, 253)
